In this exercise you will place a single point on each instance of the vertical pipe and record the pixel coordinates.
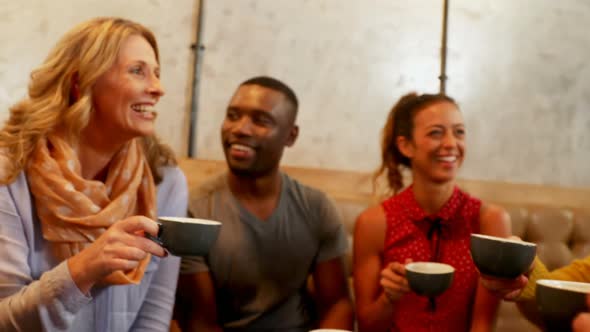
(443, 49)
(198, 51)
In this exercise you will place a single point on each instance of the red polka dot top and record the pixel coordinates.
(442, 237)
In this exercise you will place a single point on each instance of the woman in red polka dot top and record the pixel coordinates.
(430, 220)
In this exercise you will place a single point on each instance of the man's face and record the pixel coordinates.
(259, 123)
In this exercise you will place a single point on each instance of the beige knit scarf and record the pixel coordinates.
(74, 211)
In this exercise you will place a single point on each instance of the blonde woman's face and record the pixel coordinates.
(125, 97)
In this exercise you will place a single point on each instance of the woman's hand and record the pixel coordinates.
(120, 248)
(393, 280)
(507, 289)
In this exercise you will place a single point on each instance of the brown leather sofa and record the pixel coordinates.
(557, 219)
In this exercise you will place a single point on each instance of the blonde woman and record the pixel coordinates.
(82, 179)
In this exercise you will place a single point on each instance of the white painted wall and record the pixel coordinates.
(30, 28)
(518, 68)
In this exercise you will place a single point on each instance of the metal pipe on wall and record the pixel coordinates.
(198, 50)
(443, 48)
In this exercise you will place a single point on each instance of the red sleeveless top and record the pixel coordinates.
(443, 237)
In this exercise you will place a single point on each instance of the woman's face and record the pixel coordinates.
(437, 148)
(124, 98)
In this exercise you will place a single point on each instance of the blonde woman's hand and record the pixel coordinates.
(393, 280)
(120, 248)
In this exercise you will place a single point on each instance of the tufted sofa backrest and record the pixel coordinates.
(561, 235)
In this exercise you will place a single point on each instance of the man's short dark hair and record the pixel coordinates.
(274, 84)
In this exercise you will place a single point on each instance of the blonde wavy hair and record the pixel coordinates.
(87, 52)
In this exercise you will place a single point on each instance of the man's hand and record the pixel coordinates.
(582, 321)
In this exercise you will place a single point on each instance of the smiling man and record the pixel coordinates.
(275, 231)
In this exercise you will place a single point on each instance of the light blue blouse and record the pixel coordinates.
(37, 293)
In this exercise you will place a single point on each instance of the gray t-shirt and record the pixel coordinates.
(260, 268)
